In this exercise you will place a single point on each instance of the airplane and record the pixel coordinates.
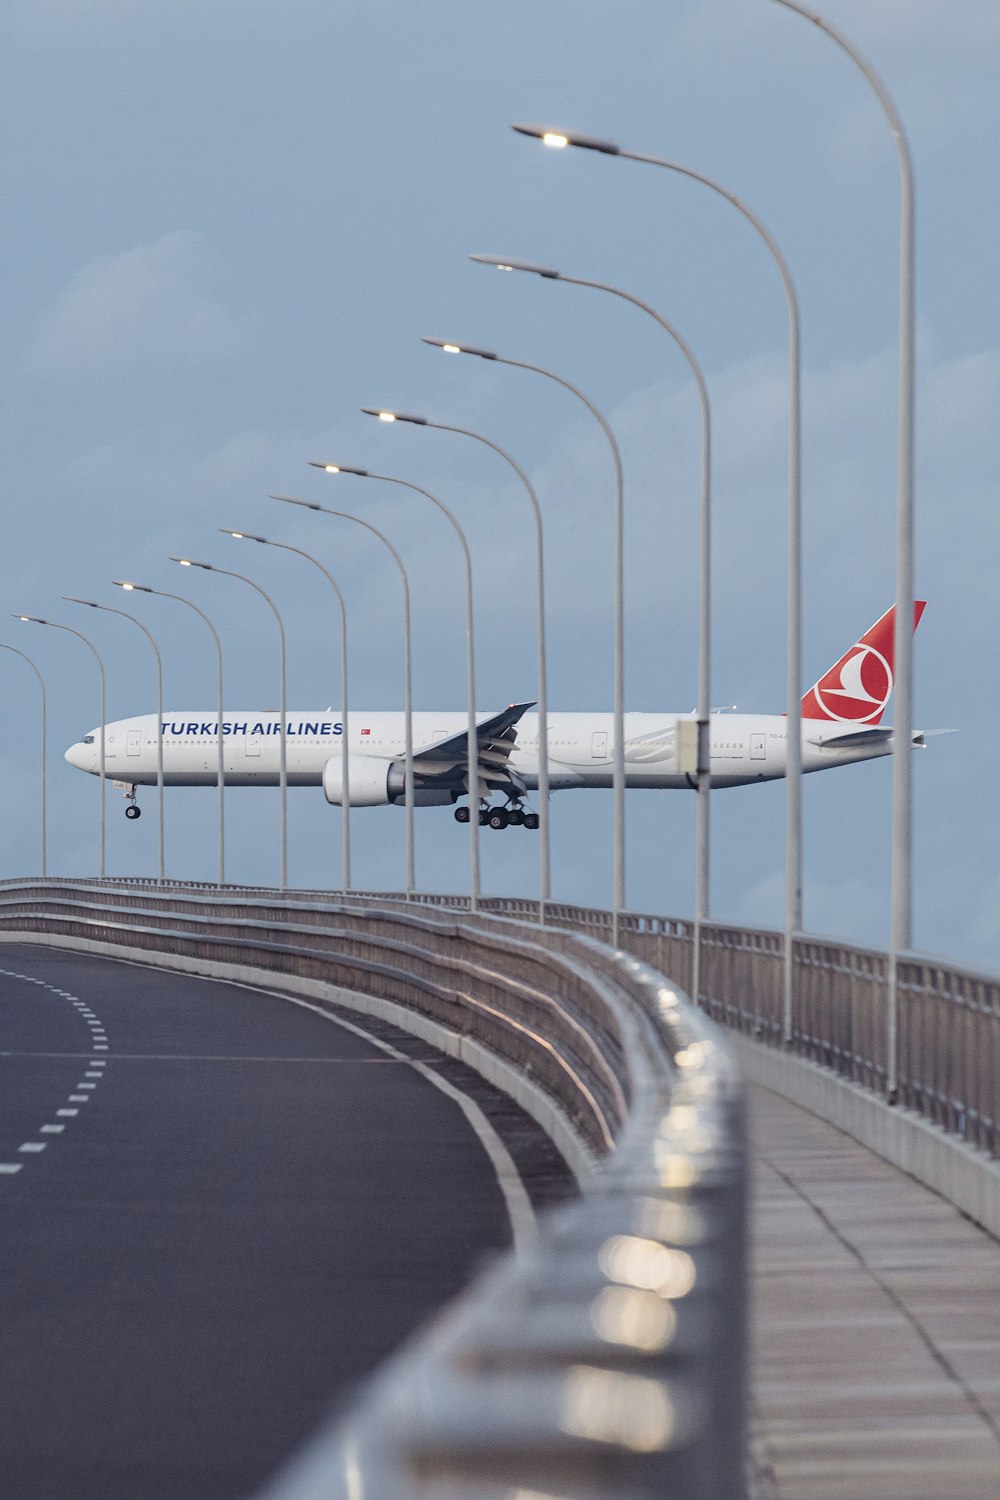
(841, 723)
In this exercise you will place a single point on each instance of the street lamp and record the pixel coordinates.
(407, 657)
(41, 764)
(704, 764)
(142, 588)
(472, 746)
(344, 736)
(618, 771)
(188, 562)
(793, 745)
(107, 609)
(902, 761)
(102, 799)
(544, 881)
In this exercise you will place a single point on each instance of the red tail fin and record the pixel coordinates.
(858, 688)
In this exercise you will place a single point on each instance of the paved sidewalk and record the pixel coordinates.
(876, 1324)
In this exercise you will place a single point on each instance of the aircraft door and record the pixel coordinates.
(133, 744)
(599, 745)
(758, 747)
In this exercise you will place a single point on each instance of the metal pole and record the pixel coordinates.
(41, 684)
(902, 762)
(102, 761)
(407, 656)
(544, 861)
(187, 562)
(618, 771)
(704, 774)
(793, 747)
(472, 746)
(345, 734)
(162, 594)
(108, 610)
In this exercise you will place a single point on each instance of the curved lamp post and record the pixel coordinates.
(41, 763)
(793, 743)
(472, 747)
(544, 881)
(618, 773)
(107, 609)
(188, 562)
(102, 798)
(902, 760)
(141, 588)
(345, 737)
(704, 765)
(407, 656)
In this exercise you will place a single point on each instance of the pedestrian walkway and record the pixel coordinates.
(876, 1324)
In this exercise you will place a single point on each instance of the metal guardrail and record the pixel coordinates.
(609, 1359)
(949, 1017)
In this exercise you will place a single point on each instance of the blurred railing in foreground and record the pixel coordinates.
(607, 1359)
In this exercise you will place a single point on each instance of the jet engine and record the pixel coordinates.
(373, 782)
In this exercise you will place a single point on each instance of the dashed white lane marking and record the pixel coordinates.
(98, 1043)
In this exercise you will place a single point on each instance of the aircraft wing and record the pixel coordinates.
(495, 739)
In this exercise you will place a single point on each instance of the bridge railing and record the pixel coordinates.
(949, 1017)
(607, 1358)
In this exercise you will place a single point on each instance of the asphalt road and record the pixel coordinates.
(218, 1211)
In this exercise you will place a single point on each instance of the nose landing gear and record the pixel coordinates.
(132, 809)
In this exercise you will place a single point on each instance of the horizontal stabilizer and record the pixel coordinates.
(853, 738)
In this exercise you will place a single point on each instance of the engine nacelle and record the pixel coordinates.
(372, 782)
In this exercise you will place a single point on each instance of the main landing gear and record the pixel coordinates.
(512, 816)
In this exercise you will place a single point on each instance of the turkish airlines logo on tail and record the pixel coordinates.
(858, 689)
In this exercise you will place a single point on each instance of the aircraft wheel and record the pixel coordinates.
(484, 816)
(461, 814)
(499, 818)
(133, 811)
(531, 820)
(515, 816)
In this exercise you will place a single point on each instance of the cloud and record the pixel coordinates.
(141, 307)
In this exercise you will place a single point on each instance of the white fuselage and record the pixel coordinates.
(744, 747)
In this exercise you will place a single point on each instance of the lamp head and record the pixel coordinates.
(139, 588)
(562, 138)
(507, 263)
(384, 415)
(327, 469)
(72, 599)
(290, 500)
(242, 536)
(189, 562)
(30, 619)
(450, 348)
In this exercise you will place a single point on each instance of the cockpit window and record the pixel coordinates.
(88, 739)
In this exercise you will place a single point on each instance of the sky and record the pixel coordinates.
(228, 227)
